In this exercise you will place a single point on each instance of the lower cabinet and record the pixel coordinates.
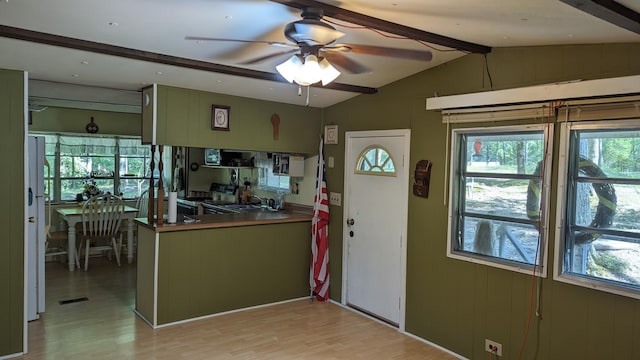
(204, 272)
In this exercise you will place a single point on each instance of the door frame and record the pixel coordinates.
(25, 200)
(406, 135)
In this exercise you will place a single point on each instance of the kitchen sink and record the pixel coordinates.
(233, 208)
(241, 207)
(248, 207)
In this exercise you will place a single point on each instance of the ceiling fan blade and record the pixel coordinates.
(269, 56)
(420, 55)
(386, 26)
(274, 43)
(349, 65)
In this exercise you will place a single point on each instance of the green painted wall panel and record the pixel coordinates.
(180, 113)
(600, 320)
(472, 302)
(145, 259)
(74, 121)
(12, 222)
(184, 118)
(204, 272)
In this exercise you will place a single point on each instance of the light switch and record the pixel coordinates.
(335, 199)
(330, 161)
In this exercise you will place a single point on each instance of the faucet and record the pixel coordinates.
(263, 201)
(280, 201)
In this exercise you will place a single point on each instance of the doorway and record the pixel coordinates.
(375, 209)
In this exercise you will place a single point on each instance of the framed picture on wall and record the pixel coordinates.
(220, 117)
(331, 134)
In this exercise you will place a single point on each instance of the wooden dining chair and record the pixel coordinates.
(142, 204)
(101, 217)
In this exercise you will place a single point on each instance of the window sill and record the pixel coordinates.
(597, 285)
(505, 265)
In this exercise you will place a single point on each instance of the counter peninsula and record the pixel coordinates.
(221, 263)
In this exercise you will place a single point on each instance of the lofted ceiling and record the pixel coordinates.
(114, 48)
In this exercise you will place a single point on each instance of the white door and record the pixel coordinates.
(35, 229)
(376, 196)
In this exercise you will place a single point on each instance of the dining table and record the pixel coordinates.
(73, 215)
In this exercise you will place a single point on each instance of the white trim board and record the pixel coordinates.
(557, 91)
(225, 312)
(406, 333)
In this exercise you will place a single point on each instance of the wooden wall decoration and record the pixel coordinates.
(422, 176)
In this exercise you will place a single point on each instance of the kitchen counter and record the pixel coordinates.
(292, 213)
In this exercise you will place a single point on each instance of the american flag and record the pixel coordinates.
(319, 271)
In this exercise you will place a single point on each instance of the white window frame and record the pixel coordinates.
(118, 180)
(563, 165)
(541, 269)
(267, 180)
(362, 158)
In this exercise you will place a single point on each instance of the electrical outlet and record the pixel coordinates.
(335, 199)
(493, 347)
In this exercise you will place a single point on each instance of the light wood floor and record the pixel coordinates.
(105, 327)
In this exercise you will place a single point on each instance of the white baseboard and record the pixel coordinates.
(435, 345)
(224, 313)
(402, 332)
(11, 356)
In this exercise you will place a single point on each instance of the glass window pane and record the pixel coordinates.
(616, 153)
(377, 160)
(602, 234)
(382, 156)
(105, 185)
(70, 188)
(269, 181)
(609, 258)
(497, 191)
(510, 153)
(616, 207)
(370, 155)
(500, 240)
(80, 157)
(502, 197)
(132, 188)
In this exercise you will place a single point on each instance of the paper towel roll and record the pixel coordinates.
(173, 207)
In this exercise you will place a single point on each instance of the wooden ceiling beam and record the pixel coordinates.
(610, 11)
(78, 44)
(387, 26)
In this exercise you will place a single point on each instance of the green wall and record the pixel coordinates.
(74, 121)
(12, 221)
(457, 304)
(184, 118)
(472, 302)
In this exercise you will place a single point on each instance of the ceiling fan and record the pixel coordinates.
(313, 49)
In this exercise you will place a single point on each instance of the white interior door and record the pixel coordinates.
(376, 215)
(35, 229)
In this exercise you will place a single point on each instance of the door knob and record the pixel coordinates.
(32, 219)
(350, 222)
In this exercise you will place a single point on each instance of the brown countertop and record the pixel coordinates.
(293, 213)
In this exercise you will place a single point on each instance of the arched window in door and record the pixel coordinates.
(375, 160)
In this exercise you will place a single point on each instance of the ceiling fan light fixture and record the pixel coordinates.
(290, 68)
(308, 72)
(328, 72)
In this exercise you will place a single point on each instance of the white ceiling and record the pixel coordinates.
(160, 26)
